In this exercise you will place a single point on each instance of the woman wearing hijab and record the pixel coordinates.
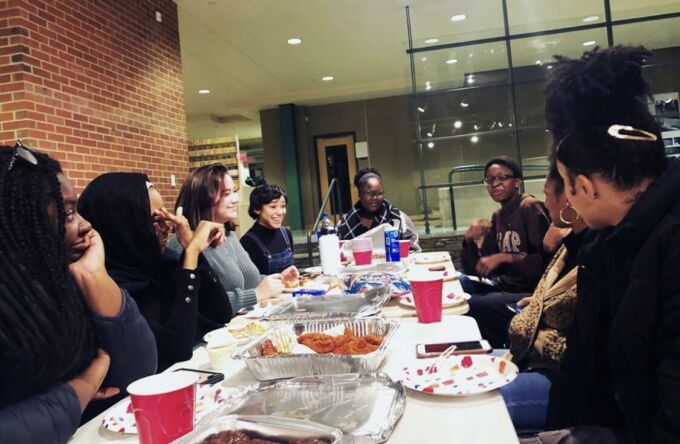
(373, 210)
(69, 337)
(128, 212)
(209, 193)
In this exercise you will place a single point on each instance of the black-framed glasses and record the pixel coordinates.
(374, 194)
(21, 151)
(490, 180)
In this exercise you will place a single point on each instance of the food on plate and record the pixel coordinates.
(437, 268)
(239, 437)
(300, 281)
(269, 302)
(268, 349)
(249, 330)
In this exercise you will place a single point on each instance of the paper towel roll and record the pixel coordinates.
(329, 251)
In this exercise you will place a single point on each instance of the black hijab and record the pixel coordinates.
(117, 205)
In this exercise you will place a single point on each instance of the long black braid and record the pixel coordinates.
(45, 332)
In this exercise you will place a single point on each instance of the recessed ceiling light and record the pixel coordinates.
(538, 62)
(592, 18)
(549, 66)
(457, 124)
(204, 91)
(430, 145)
(421, 109)
(458, 17)
(429, 134)
(475, 127)
(327, 78)
(589, 43)
(430, 41)
(294, 41)
(464, 104)
(474, 139)
(451, 61)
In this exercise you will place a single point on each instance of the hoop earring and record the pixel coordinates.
(564, 220)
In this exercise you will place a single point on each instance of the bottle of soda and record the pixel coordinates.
(325, 227)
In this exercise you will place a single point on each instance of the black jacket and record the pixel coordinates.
(621, 368)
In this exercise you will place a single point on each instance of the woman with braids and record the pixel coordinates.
(268, 243)
(58, 306)
(619, 378)
(209, 193)
(373, 210)
(128, 212)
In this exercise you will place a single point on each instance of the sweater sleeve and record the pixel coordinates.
(532, 264)
(240, 298)
(129, 342)
(470, 253)
(410, 232)
(52, 416)
(175, 336)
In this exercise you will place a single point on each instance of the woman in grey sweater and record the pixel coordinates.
(209, 194)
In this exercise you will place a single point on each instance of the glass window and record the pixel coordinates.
(437, 22)
(465, 66)
(625, 9)
(540, 15)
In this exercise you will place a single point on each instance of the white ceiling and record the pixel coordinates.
(238, 48)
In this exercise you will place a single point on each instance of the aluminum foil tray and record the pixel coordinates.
(264, 427)
(366, 407)
(385, 267)
(266, 368)
(340, 305)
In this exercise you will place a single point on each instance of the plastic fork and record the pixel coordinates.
(440, 360)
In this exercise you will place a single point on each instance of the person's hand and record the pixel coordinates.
(524, 301)
(487, 264)
(87, 385)
(93, 258)
(270, 287)
(478, 229)
(553, 238)
(289, 274)
(178, 222)
(207, 233)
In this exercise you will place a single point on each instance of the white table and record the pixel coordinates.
(428, 419)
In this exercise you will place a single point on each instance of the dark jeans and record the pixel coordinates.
(488, 307)
(527, 400)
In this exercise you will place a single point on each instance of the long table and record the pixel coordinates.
(476, 419)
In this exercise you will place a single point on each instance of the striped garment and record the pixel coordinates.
(350, 225)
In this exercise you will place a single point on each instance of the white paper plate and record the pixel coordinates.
(230, 332)
(431, 258)
(449, 299)
(460, 375)
(121, 419)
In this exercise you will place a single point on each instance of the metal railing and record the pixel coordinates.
(473, 168)
(318, 218)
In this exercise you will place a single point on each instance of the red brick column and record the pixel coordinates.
(97, 84)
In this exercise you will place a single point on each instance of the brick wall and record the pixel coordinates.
(97, 84)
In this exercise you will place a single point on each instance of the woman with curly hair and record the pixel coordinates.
(58, 306)
(618, 379)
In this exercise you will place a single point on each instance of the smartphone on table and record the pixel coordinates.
(462, 348)
(204, 376)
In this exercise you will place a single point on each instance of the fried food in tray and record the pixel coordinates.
(345, 344)
(239, 437)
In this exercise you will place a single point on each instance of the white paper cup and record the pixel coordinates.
(219, 353)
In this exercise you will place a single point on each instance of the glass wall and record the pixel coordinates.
(478, 78)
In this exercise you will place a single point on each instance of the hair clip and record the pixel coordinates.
(615, 131)
(149, 185)
(23, 152)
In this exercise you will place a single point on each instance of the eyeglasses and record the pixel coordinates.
(23, 152)
(374, 194)
(490, 180)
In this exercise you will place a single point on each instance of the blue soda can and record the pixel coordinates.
(392, 245)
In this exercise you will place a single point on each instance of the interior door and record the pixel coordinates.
(337, 159)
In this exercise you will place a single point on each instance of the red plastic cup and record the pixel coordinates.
(404, 247)
(362, 249)
(164, 406)
(427, 296)
(342, 253)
